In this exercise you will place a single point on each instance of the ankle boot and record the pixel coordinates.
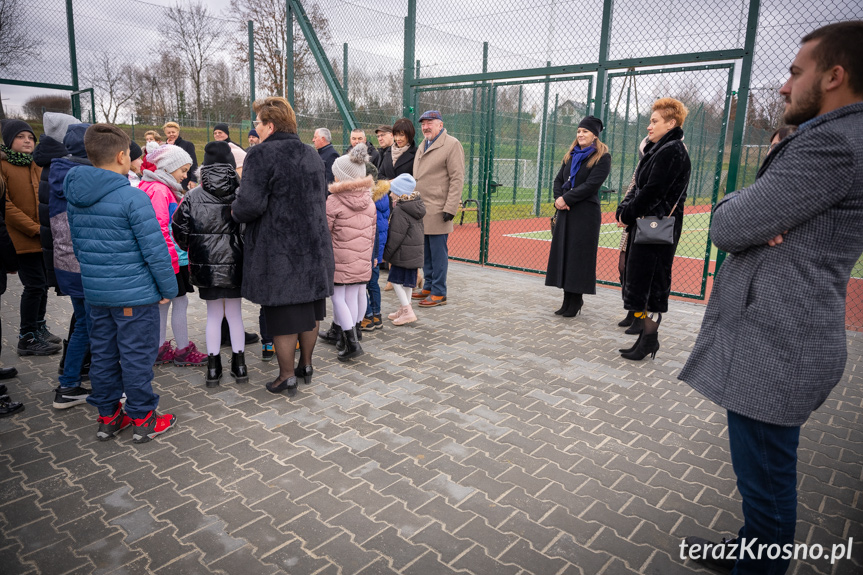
(352, 346)
(340, 345)
(633, 346)
(567, 298)
(214, 369)
(627, 321)
(575, 303)
(636, 327)
(407, 316)
(648, 344)
(238, 367)
(63, 357)
(332, 336)
(359, 333)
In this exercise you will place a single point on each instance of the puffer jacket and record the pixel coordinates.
(47, 150)
(65, 264)
(351, 217)
(406, 235)
(117, 240)
(203, 226)
(380, 195)
(164, 203)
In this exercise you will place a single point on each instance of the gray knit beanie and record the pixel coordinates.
(56, 124)
(351, 166)
(169, 158)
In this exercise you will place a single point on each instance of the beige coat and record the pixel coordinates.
(22, 205)
(439, 172)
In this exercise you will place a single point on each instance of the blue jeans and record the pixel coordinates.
(374, 292)
(79, 341)
(124, 343)
(435, 264)
(764, 457)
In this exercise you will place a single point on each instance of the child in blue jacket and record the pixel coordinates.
(125, 272)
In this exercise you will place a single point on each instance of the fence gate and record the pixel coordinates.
(630, 96)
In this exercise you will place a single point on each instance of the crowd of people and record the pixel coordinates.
(286, 226)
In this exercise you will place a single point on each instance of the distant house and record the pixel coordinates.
(570, 112)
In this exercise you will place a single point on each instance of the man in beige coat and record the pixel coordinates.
(439, 173)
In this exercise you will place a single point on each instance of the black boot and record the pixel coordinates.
(633, 346)
(636, 327)
(575, 303)
(238, 367)
(648, 344)
(63, 357)
(340, 345)
(359, 333)
(304, 371)
(567, 297)
(332, 336)
(627, 321)
(352, 346)
(214, 370)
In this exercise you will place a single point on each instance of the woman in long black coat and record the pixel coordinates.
(661, 180)
(575, 238)
(288, 261)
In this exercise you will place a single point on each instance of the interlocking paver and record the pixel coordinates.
(489, 437)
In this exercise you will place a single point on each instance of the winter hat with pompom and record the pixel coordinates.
(169, 158)
(351, 166)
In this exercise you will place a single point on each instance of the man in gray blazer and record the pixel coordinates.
(773, 345)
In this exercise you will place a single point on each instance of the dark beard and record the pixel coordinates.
(807, 108)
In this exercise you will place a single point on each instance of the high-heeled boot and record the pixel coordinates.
(629, 349)
(214, 369)
(575, 303)
(627, 321)
(238, 367)
(636, 327)
(648, 344)
(567, 297)
(352, 346)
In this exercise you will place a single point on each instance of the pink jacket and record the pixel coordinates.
(351, 215)
(165, 203)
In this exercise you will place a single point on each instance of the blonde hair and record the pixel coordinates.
(154, 133)
(601, 150)
(671, 109)
(174, 125)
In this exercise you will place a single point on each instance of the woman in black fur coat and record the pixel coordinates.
(661, 180)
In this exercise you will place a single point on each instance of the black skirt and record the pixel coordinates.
(184, 283)
(294, 318)
(210, 294)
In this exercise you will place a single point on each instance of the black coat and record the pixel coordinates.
(406, 236)
(328, 154)
(288, 256)
(575, 240)
(404, 165)
(203, 226)
(193, 171)
(47, 150)
(8, 256)
(661, 181)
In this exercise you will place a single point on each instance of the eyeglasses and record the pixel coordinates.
(257, 123)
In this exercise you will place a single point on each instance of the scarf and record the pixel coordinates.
(578, 156)
(16, 158)
(397, 152)
(165, 178)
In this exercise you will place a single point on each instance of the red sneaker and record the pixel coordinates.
(189, 355)
(111, 426)
(151, 425)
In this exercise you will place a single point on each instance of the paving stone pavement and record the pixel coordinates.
(490, 437)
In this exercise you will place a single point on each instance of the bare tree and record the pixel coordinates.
(17, 41)
(112, 85)
(269, 17)
(194, 34)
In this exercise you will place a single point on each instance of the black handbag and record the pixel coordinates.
(656, 230)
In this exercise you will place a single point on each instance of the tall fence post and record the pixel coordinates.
(252, 71)
(409, 55)
(602, 70)
(742, 105)
(73, 56)
(472, 130)
(289, 53)
(620, 186)
(551, 164)
(537, 196)
(517, 144)
(346, 129)
(416, 97)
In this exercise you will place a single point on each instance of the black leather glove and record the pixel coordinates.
(448, 217)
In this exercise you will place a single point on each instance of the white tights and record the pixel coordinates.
(403, 293)
(178, 321)
(232, 310)
(349, 305)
